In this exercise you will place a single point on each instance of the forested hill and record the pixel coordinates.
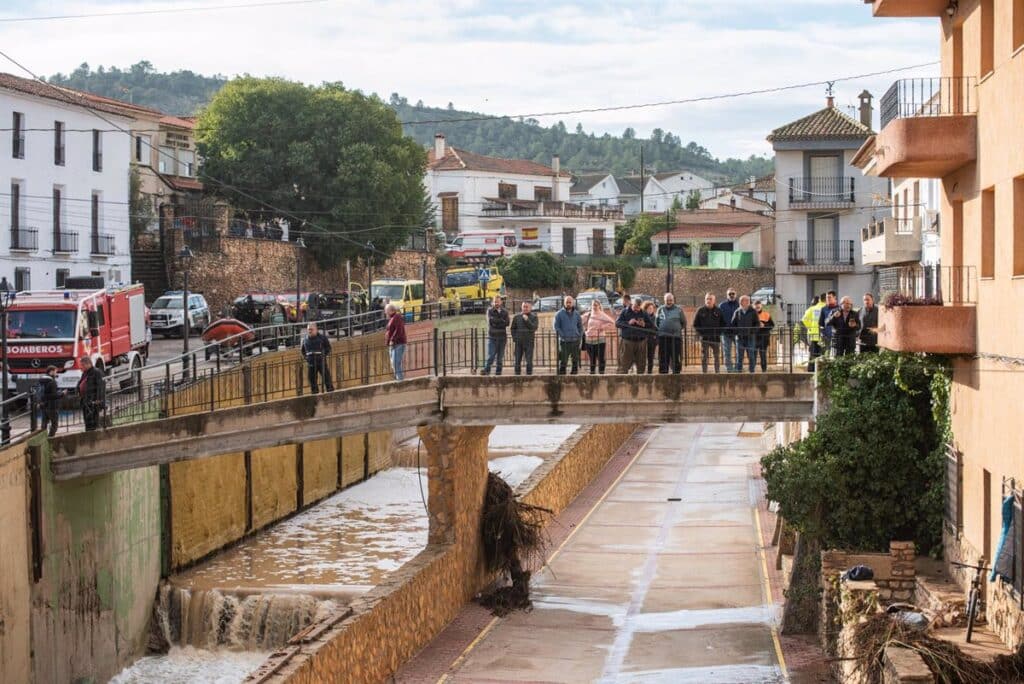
(185, 92)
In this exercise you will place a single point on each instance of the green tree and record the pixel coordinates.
(536, 270)
(330, 161)
(640, 232)
(140, 208)
(693, 200)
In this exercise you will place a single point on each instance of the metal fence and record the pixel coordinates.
(930, 284)
(821, 252)
(822, 189)
(913, 97)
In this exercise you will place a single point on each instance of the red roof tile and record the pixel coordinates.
(825, 124)
(456, 160)
(75, 97)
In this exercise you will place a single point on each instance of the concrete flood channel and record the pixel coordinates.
(222, 617)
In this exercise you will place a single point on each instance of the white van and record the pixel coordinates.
(491, 243)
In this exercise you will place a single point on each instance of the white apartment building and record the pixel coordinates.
(660, 190)
(822, 203)
(65, 186)
(474, 192)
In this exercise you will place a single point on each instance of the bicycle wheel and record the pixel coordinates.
(972, 611)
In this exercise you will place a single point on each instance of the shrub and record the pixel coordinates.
(897, 299)
(536, 270)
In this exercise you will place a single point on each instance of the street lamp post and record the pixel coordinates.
(301, 245)
(185, 259)
(6, 299)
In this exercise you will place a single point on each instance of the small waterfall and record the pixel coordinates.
(213, 619)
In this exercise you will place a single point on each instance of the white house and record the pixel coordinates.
(474, 192)
(822, 203)
(661, 190)
(66, 186)
(728, 197)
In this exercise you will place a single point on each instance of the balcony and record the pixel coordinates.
(102, 245)
(826, 192)
(24, 239)
(937, 313)
(929, 128)
(891, 241)
(908, 8)
(821, 256)
(65, 242)
(518, 208)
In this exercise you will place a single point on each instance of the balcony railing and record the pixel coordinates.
(65, 242)
(945, 284)
(821, 253)
(822, 190)
(914, 97)
(102, 244)
(24, 239)
(513, 208)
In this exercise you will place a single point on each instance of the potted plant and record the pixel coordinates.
(925, 324)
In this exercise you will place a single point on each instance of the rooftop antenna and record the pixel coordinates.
(828, 88)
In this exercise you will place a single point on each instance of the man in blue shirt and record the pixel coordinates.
(730, 349)
(569, 330)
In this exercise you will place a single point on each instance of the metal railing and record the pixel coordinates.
(65, 241)
(821, 253)
(944, 96)
(102, 244)
(17, 418)
(549, 208)
(824, 190)
(24, 238)
(929, 284)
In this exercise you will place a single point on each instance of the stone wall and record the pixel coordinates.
(371, 639)
(15, 581)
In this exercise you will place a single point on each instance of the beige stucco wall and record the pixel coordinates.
(274, 483)
(15, 658)
(207, 506)
(319, 469)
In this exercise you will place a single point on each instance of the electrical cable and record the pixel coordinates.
(169, 10)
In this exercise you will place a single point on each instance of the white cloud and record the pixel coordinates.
(519, 57)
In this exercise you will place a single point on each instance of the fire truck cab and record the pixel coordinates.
(57, 327)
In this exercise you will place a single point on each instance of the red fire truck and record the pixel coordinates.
(57, 327)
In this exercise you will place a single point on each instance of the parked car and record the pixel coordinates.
(542, 304)
(584, 300)
(166, 314)
(766, 294)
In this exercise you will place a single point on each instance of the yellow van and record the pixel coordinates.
(473, 286)
(407, 295)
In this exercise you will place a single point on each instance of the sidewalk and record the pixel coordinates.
(648, 588)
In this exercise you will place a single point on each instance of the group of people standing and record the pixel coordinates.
(835, 328)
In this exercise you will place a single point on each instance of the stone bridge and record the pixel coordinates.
(454, 401)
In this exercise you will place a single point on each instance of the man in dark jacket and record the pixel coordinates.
(497, 337)
(845, 325)
(49, 400)
(728, 308)
(395, 339)
(745, 324)
(826, 332)
(869, 325)
(708, 324)
(636, 327)
(568, 327)
(92, 392)
(315, 349)
(524, 329)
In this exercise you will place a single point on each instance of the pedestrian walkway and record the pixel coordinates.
(664, 581)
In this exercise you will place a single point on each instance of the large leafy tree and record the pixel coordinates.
(331, 162)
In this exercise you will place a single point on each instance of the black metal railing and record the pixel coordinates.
(945, 96)
(930, 284)
(17, 419)
(821, 253)
(65, 242)
(102, 244)
(24, 238)
(822, 190)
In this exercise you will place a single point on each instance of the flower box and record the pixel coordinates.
(932, 329)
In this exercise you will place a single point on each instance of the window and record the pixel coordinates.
(140, 148)
(417, 291)
(507, 191)
(1018, 24)
(57, 220)
(906, 203)
(988, 233)
(1018, 226)
(569, 241)
(18, 136)
(542, 194)
(988, 43)
(58, 143)
(954, 512)
(15, 205)
(917, 198)
(62, 276)
(450, 214)
(22, 279)
(97, 150)
(94, 216)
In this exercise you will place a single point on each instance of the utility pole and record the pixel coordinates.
(641, 179)
(668, 234)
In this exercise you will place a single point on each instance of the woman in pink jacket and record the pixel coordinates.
(597, 328)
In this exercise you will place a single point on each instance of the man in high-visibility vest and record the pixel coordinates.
(810, 321)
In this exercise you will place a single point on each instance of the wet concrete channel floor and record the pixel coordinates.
(664, 581)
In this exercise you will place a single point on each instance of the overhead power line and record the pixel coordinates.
(169, 10)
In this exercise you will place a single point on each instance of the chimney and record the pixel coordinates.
(866, 110)
(556, 164)
(439, 146)
(830, 102)
(556, 167)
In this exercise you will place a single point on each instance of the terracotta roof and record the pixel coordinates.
(762, 184)
(76, 97)
(183, 183)
(448, 194)
(721, 215)
(188, 122)
(697, 231)
(825, 124)
(456, 159)
(584, 182)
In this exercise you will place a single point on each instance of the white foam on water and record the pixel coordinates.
(188, 665)
(532, 438)
(514, 469)
(692, 619)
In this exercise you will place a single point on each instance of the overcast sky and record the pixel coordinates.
(514, 56)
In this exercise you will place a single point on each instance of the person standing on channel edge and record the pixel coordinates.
(597, 325)
(497, 336)
(729, 349)
(92, 390)
(810, 321)
(315, 349)
(636, 327)
(708, 324)
(671, 322)
(651, 309)
(394, 338)
(569, 329)
(745, 325)
(49, 400)
(524, 330)
(826, 331)
(869, 325)
(845, 324)
(764, 333)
